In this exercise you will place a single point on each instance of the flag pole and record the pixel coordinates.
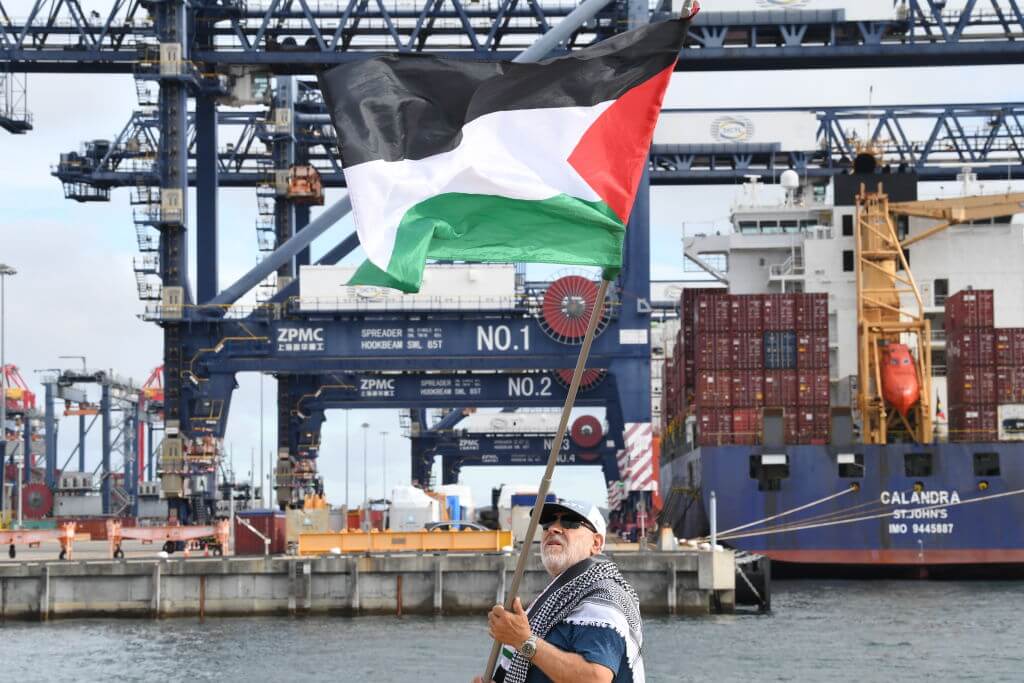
(545, 483)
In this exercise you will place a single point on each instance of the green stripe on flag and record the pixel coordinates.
(488, 228)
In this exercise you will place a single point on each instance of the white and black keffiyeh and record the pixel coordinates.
(596, 596)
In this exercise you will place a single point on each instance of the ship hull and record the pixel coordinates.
(957, 517)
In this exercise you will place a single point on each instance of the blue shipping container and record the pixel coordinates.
(780, 350)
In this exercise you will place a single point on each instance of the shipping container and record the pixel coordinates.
(714, 388)
(972, 386)
(812, 350)
(714, 351)
(970, 308)
(747, 351)
(1011, 422)
(713, 312)
(780, 388)
(714, 427)
(973, 423)
(790, 418)
(1009, 346)
(747, 426)
(269, 523)
(780, 350)
(746, 312)
(779, 312)
(1010, 384)
(747, 389)
(971, 347)
(813, 426)
(812, 312)
(812, 388)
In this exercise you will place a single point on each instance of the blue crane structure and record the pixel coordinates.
(225, 51)
(934, 141)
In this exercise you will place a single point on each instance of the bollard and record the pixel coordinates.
(713, 514)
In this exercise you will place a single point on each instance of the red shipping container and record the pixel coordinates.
(812, 388)
(970, 308)
(780, 388)
(746, 312)
(270, 523)
(812, 312)
(714, 389)
(972, 386)
(714, 427)
(747, 389)
(779, 312)
(747, 351)
(1010, 384)
(714, 352)
(812, 350)
(789, 425)
(713, 313)
(813, 426)
(973, 423)
(747, 426)
(1009, 346)
(971, 347)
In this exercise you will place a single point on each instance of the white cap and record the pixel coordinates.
(587, 511)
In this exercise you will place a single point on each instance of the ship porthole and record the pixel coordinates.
(918, 486)
(982, 485)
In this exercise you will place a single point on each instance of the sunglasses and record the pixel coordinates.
(566, 523)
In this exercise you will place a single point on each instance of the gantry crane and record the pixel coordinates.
(889, 305)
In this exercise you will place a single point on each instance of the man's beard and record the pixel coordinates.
(557, 559)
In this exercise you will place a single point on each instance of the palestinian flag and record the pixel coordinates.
(498, 161)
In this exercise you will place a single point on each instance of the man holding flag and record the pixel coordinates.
(585, 626)
(516, 162)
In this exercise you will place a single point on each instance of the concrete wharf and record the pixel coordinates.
(691, 582)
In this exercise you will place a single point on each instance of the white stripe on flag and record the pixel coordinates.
(491, 159)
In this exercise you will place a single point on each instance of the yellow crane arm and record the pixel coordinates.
(958, 210)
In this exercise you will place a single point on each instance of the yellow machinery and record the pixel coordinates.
(889, 306)
(467, 540)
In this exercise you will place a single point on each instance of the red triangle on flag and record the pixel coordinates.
(612, 154)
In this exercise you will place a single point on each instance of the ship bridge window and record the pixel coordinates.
(986, 464)
(917, 464)
(789, 226)
(851, 465)
(748, 227)
(807, 225)
(848, 260)
(770, 227)
(848, 225)
(769, 471)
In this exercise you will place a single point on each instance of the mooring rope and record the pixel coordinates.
(788, 512)
(828, 516)
(801, 527)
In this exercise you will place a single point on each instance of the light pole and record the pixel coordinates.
(5, 270)
(366, 493)
(384, 460)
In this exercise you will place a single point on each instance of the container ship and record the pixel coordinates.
(847, 413)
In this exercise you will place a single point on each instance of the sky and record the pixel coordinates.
(74, 293)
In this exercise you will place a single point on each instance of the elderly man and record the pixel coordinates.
(585, 626)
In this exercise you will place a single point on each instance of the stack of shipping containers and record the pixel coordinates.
(985, 382)
(738, 354)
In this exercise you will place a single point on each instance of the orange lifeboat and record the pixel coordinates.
(899, 378)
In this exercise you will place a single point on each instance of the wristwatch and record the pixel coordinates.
(529, 648)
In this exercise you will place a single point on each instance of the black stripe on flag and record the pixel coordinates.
(414, 106)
